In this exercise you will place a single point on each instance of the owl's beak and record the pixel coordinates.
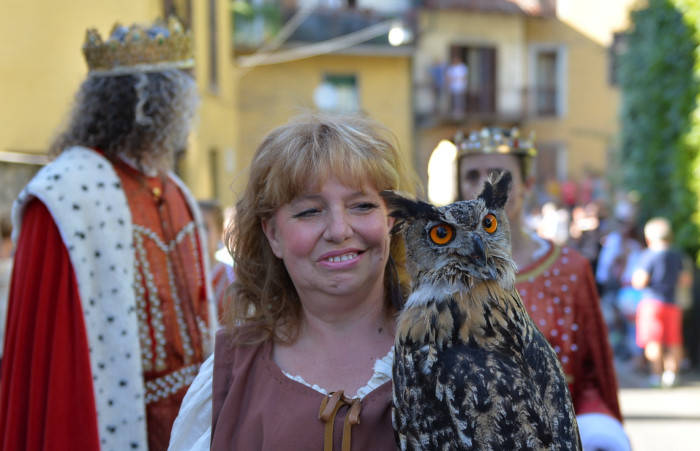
(478, 254)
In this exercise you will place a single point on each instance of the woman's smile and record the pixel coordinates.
(340, 259)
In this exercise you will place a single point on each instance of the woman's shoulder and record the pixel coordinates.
(242, 338)
(235, 349)
(557, 263)
(192, 428)
(572, 259)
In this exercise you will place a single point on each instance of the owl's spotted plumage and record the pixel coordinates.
(471, 370)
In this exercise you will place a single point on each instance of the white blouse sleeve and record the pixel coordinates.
(192, 428)
(602, 432)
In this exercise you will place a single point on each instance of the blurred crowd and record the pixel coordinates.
(606, 229)
(603, 228)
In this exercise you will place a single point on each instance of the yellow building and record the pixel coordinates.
(371, 78)
(42, 66)
(542, 66)
(270, 95)
(210, 163)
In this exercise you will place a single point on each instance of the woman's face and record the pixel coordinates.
(475, 169)
(334, 240)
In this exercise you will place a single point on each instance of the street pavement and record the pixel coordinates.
(659, 419)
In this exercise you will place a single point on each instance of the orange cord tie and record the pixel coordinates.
(353, 417)
(329, 408)
(330, 405)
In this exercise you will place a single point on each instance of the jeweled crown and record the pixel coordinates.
(139, 49)
(495, 140)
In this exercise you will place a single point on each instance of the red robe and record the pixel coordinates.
(46, 396)
(560, 295)
(221, 279)
(46, 365)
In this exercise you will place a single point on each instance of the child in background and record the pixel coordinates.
(659, 273)
(220, 263)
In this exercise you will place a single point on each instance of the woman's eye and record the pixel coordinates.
(366, 206)
(472, 176)
(306, 213)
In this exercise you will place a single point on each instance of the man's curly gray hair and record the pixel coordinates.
(145, 117)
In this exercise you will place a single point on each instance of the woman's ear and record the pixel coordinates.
(390, 220)
(270, 231)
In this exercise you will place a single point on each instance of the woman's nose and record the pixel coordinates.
(338, 228)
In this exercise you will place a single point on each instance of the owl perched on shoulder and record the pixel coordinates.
(471, 370)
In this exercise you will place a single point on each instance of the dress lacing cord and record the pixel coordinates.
(329, 408)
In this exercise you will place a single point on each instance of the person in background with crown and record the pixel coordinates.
(109, 317)
(556, 285)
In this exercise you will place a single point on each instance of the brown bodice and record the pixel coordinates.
(255, 406)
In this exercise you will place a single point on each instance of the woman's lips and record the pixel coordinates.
(340, 259)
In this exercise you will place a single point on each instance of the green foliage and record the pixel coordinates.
(660, 123)
(255, 24)
(242, 8)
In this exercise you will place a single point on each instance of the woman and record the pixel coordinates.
(307, 350)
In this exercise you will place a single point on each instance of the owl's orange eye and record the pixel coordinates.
(489, 223)
(442, 234)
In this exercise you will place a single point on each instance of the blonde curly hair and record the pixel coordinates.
(311, 147)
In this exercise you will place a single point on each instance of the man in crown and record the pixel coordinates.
(556, 285)
(109, 317)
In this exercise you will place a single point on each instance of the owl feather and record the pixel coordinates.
(471, 370)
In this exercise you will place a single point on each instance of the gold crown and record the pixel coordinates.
(139, 49)
(495, 140)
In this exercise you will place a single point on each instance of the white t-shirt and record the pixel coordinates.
(457, 77)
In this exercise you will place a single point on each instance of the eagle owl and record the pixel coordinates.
(471, 370)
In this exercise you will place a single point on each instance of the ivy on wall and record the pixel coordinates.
(660, 137)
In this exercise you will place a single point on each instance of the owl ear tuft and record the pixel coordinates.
(404, 208)
(495, 193)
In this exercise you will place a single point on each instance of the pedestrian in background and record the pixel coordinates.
(457, 76)
(437, 83)
(222, 275)
(660, 271)
(5, 271)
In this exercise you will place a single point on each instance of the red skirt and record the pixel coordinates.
(658, 322)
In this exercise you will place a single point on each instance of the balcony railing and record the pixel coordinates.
(537, 8)
(544, 99)
(485, 105)
(259, 24)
